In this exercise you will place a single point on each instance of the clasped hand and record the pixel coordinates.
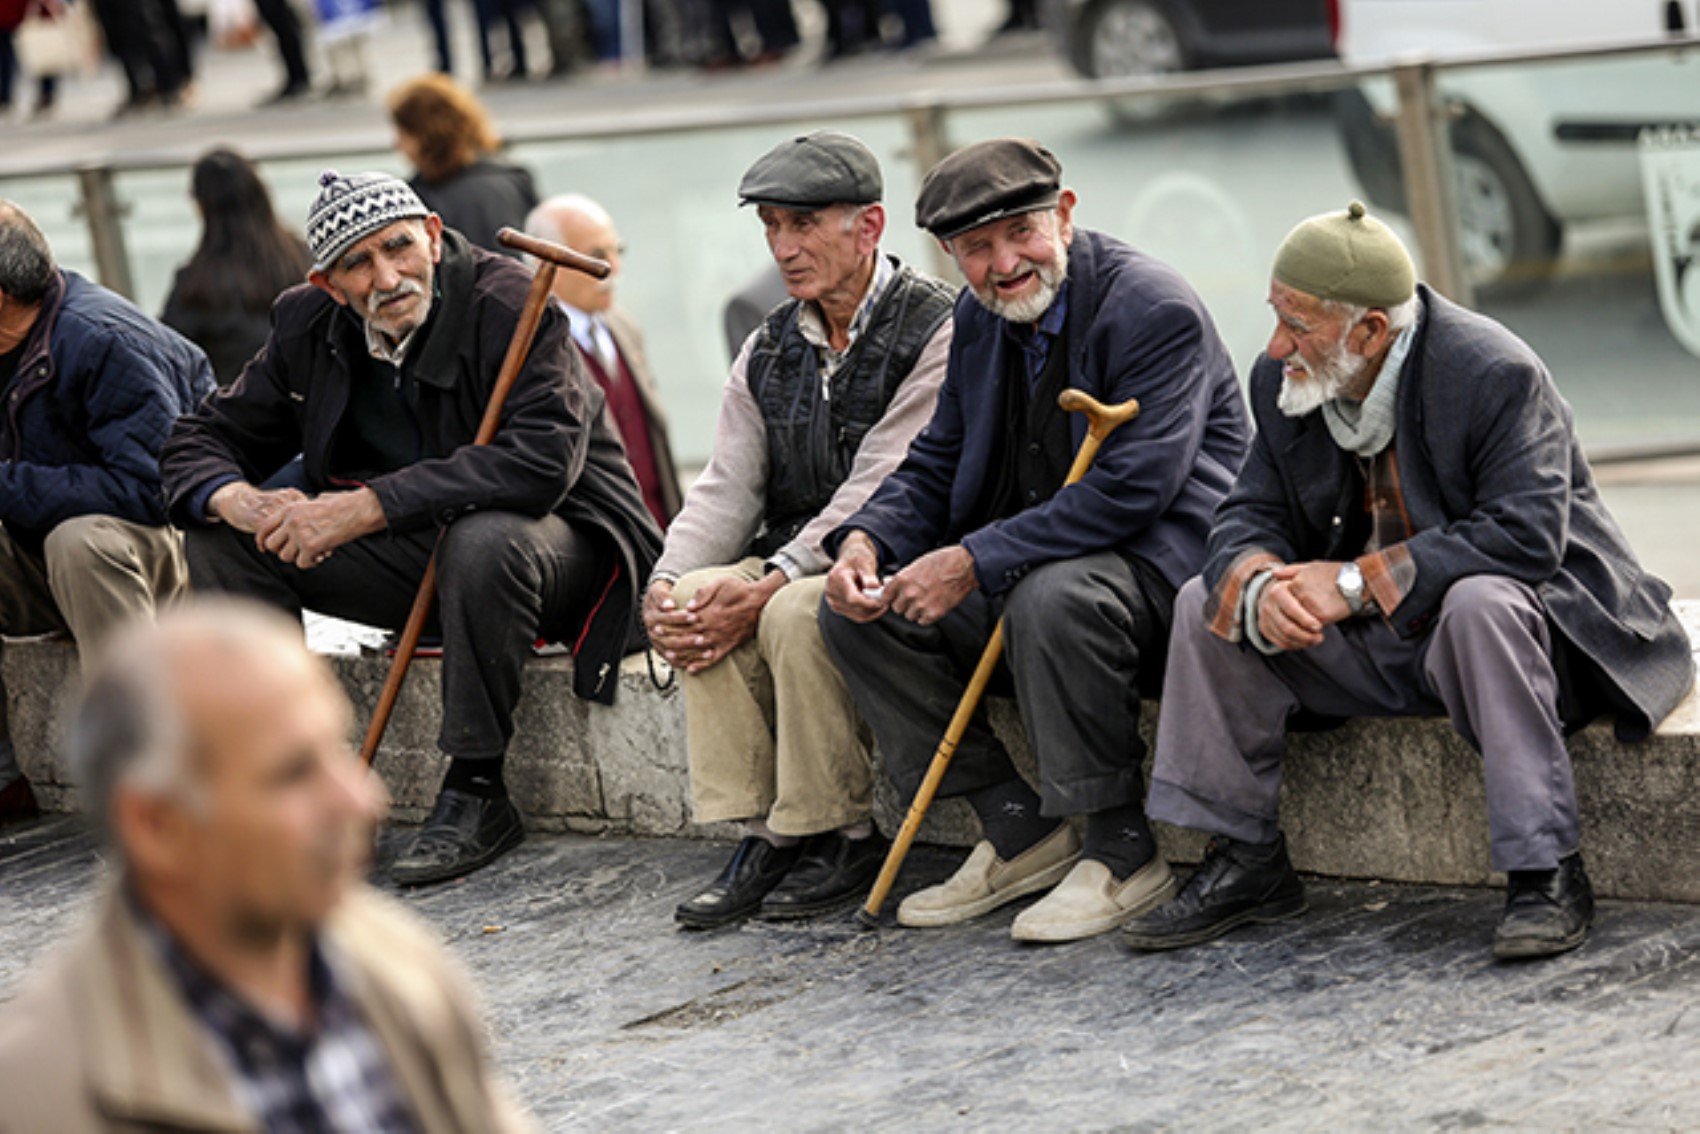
(1299, 602)
(299, 529)
(722, 615)
(923, 592)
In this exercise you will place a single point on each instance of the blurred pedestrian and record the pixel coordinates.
(344, 28)
(446, 134)
(775, 29)
(285, 25)
(221, 299)
(438, 18)
(45, 73)
(610, 344)
(502, 16)
(140, 35)
(238, 974)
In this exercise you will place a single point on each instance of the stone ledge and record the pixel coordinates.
(1393, 799)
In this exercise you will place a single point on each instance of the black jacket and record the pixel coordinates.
(555, 451)
(480, 199)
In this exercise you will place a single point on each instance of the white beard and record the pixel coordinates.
(1324, 382)
(1031, 308)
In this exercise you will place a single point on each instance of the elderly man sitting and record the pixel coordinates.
(378, 373)
(822, 401)
(1415, 531)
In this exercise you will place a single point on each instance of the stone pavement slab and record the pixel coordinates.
(1379, 1010)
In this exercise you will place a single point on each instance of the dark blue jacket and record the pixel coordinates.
(97, 389)
(1135, 329)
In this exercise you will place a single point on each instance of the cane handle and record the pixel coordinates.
(554, 253)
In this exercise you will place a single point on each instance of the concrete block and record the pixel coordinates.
(1394, 799)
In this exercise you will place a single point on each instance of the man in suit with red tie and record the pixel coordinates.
(611, 344)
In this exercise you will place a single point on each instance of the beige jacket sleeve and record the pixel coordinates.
(724, 508)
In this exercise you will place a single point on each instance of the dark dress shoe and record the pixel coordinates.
(1546, 911)
(17, 802)
(1235, 884)
(756, 867)
(831, 872)
(463, 832)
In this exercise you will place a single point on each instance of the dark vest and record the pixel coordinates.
(1035, 447)
(812, 440)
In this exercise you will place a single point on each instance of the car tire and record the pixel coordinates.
(1119, 39)
(1508, 239)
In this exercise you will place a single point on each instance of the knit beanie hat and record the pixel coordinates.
(349, 209)
(1347, 256)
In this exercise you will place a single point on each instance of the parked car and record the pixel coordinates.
(1536, 147)
(1110, 39)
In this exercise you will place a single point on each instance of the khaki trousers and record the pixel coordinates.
(94, 574)
(771, 730)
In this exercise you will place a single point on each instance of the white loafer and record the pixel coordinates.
(1090, 901)
(985, 881)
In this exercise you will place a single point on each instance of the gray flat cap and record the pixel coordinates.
(812, 171)
(986, 182)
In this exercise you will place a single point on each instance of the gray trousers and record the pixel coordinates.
(1080, 635)
(1487, 664)
(503, 581)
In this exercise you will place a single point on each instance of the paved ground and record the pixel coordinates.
(1378, 1011)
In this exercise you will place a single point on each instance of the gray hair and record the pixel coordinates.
(129, 730)
(1399, 316)
(26, 260)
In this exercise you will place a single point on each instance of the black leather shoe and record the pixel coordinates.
(463, 832)
(831, 872)
(17, 802)
(756, 867)
(1546, 911)
(1235, 884)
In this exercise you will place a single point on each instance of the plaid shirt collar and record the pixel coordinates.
(332, 1076)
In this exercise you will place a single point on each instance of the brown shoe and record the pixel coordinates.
(17, 802)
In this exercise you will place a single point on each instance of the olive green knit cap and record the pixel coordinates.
(1347, 256)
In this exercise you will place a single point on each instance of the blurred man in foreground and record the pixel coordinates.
(238, 975)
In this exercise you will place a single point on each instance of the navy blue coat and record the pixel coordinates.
(1135, 329)
(1494, 482)
(97, 389)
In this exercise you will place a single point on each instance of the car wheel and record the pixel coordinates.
(1124, 38)
(1508, 240)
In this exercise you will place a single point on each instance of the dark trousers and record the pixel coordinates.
(139, 35)
(503, 580)
(439, 21)
(285, 26)
(503, 14)
(1083, 638)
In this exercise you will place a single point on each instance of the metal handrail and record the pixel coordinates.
(1236, 82)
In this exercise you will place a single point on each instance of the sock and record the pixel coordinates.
(1009, 816)
(482, 778)
(9, 769)
(857, 831)
(1120, 838)
(760, 829)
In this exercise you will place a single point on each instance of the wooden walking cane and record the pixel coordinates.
(549, 255)
(1101, 421)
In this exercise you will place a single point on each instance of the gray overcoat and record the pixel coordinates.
(1494, 483)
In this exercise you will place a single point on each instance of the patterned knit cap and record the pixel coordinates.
(349, 209)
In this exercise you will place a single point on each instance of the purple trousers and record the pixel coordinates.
(1486, 663)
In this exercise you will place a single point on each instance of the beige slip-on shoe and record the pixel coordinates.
(985, 881)
(1090, 901)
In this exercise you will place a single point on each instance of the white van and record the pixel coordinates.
(1536, 146)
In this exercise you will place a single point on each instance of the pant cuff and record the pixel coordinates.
(1087, 794)
(1175, 805)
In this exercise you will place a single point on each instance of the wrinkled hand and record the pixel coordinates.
(933, 585)
(720, 617)
(245, 507)
(305, 532)
(1300, 601)
(853, 587)
(667, 625)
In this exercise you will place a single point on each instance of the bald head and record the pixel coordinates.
(584, 226)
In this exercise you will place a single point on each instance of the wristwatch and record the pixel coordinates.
(1350, 583)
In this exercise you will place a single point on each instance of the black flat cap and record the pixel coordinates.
(812, 171)
(986, 182)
